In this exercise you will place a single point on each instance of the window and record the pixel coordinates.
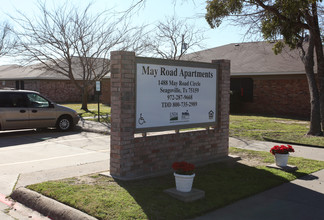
(242, 89)
(20, 84)
(5, 100)
(13, 100)
(37, 101)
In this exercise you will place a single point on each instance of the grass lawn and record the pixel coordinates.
(93, 111)
(242, 126)
(273, 128)
(223, 183)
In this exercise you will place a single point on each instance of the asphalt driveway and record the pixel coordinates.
(28, 156)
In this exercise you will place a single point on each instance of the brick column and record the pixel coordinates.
(122, 111)
(223, 84)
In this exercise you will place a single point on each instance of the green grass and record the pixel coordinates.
(272, 128)
(92, 107)
(223, 183)
(242, 126)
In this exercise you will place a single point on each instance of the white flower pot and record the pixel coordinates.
(184, 182)
(281, 159)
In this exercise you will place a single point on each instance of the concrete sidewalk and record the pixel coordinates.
(298, 200)
(10, 210)
(314, 153)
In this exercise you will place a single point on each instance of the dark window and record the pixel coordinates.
(5, 100)
(242, 89)
(20, 84)
(13, 100)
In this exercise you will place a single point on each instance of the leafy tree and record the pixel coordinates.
(287, 20)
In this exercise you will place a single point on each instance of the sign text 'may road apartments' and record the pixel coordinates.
(174, 96)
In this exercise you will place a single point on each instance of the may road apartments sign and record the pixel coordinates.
(174, 95)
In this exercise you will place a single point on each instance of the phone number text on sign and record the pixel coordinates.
(174, 95)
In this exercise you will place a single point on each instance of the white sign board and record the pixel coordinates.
(97, 86)
(168, 96)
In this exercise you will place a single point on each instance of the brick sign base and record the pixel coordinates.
(135, 156)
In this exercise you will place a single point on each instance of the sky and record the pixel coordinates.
(150, 13)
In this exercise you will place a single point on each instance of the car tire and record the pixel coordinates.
(64, 123)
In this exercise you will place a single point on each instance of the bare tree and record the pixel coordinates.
(72, 42)
(173, 37)
(7, 41)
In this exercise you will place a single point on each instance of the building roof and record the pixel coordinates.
(14, 72)
(31, 72)
(254, 58)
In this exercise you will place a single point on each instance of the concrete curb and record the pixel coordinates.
(94, 130)
(47, 206)
(91, 126)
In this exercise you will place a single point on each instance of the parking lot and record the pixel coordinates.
(29, 156)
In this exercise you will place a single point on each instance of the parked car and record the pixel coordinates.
(21, 109)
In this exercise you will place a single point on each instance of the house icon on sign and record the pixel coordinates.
(211, 114)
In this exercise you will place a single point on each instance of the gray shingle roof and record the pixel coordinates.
(255, 58)
(13, 72)
(16, 72)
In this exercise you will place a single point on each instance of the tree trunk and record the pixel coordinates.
(320, 74)
(315, 117)
(85, 99)
(315, 31)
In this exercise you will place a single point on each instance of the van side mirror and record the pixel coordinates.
(51, 105)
